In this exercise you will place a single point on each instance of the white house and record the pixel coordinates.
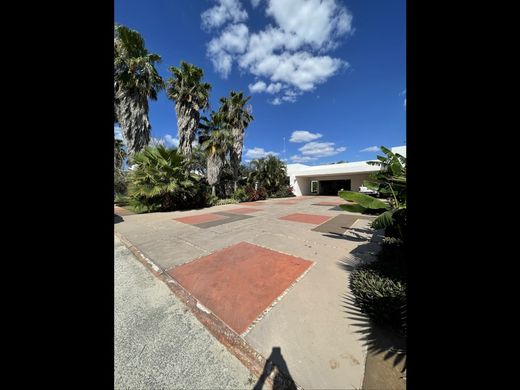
(329, 179)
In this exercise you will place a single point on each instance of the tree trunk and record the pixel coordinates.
(236, 152)
(214, 166)
(132, 114)
(187, 123)
(213, 190)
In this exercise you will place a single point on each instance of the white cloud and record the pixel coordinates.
(259, 86)
(225, 11)
(117, 133)
(288, 54)
(404, 104)
(304, 136)
(167, 140)
(320, 149)
(276, 101)
(171, 141)
(302, 159)
(301, 70)
(223, 49)
(274, 88)
(255, 3)
(313, 22)
(370, 149)
(258, 153)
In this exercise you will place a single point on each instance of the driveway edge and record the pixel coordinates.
(233, 342)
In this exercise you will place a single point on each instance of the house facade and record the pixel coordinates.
(331, 178)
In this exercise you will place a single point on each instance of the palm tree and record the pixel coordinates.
(270, 172)
(119, 154)
(217, 142)
(135, 81)
(160, 180)
(238, 116)
(190, 95)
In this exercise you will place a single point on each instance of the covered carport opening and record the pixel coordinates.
(331, 187)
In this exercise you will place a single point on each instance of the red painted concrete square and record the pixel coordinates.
(239, 282)
(243, 210)
(306, 218)
(201, 218)
(251, 203)
(285, 202)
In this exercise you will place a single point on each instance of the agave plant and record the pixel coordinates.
(160, 180)
(135, 81)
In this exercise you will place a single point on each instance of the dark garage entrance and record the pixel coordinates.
(331, 187)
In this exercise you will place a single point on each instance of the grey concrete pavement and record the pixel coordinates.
(159, 344)
(319, 341)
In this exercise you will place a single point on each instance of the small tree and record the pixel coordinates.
(269, 172)
(390, 181)
(160, 180)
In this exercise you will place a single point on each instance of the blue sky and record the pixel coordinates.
(328, 75)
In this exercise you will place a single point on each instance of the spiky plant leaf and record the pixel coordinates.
(353, 208)
(364, 200)
(384, 220)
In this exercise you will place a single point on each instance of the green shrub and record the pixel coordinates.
(380, 294)
(121, 200)
(283, 192)
(254, 195)
(120, 182)
(221, 202)
(240, 194)
(161, 181)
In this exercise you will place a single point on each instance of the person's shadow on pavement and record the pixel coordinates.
(117, 219)
(282, 379)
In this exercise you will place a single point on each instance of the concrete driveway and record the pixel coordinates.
(302, 317)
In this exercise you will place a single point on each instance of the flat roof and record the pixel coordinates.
(338, 169)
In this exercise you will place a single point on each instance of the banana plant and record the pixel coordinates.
(390, 181)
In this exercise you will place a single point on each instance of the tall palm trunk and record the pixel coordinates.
(132, 114)
(187, 122)
(214, 164)
(236, 152)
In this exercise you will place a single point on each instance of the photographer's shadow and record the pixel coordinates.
(282, 379)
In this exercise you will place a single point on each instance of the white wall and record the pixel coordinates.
(302, 185)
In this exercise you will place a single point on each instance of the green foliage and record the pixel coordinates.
(356, 208)
(121, 200)
(390, 181)
(363, 200)
(221, 202)
(185, 86)
(120, 182)
(135, 81)
(283, 192)
(269, 172)
(161, 182)
(238, 117)
(240, 194)
(380, 291)
(254, 195)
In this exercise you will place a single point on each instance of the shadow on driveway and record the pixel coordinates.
(283, 379)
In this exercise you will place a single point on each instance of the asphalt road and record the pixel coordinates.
(158, 343)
